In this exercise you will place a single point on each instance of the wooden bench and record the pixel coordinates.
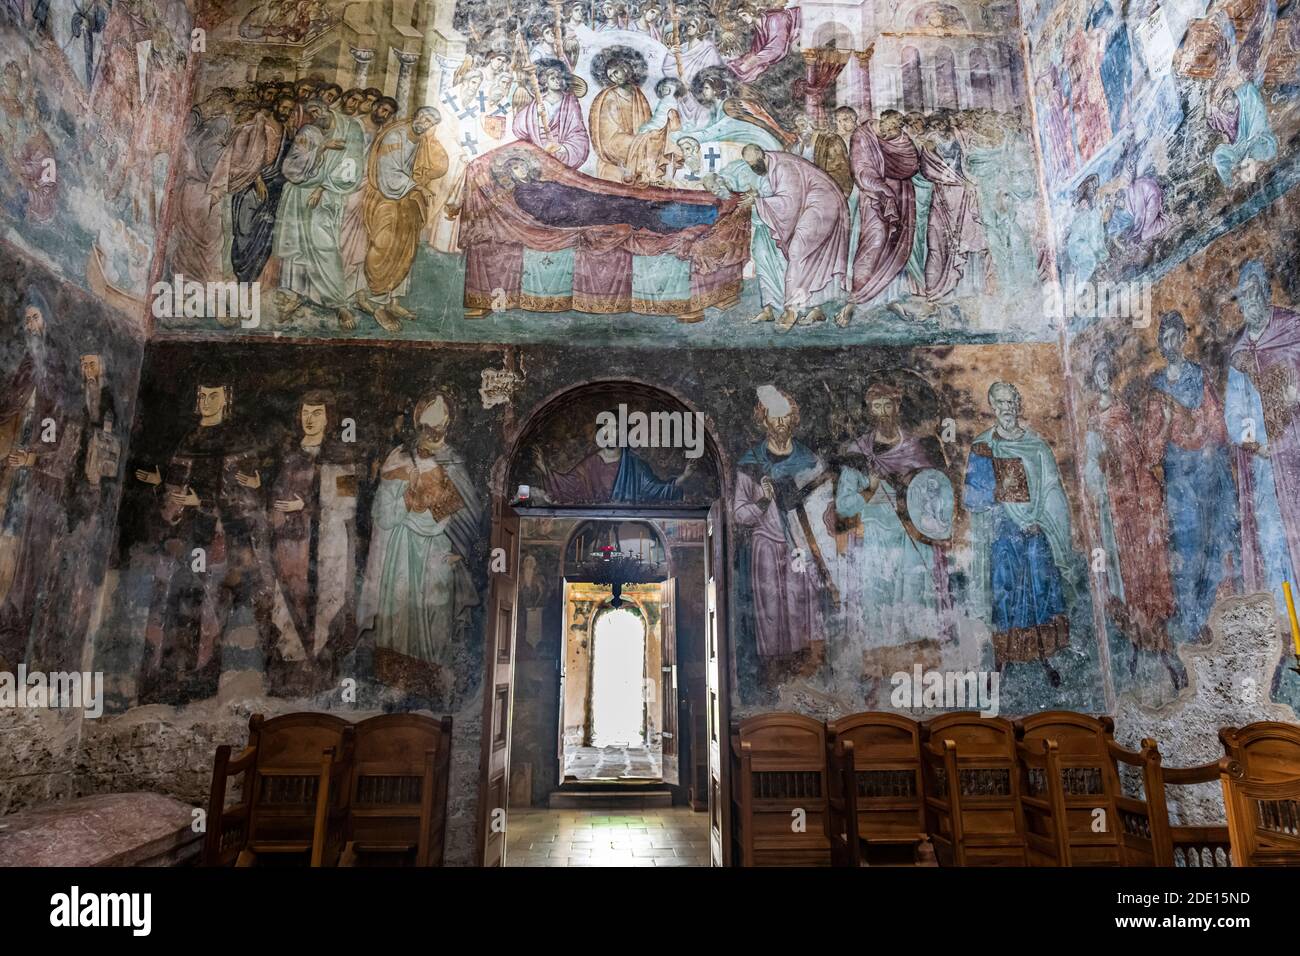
(971, 774)
(1042, 803)
(779, 763)
(886, 751)
(292, 784)
(1266, 752)
(1105, 827)
(1263, 817)
(396, 806)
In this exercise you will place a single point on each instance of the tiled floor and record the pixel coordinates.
(673, 836)
(613, 763)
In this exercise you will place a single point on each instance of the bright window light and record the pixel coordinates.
(617, 683)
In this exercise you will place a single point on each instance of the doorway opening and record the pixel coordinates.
(546, 700)
(620, 741)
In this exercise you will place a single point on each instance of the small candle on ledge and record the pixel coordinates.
(1290, 609)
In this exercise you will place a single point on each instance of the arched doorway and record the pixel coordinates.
(666, 467)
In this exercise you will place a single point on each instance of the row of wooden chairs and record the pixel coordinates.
(1051, 789)
(316, 789)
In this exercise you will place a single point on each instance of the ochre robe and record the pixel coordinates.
(393, 224)
(616, 115)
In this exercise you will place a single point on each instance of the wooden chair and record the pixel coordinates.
(397, 791)
(293, 771)
(842, 805)
(779, 763)
(971, 776)
(887, 774)
(1042, 803)
(1090, 762)
(1266, 752)
(1263, 817)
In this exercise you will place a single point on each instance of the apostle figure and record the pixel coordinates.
(1021, 525)
(197, 237)
(903, 592)
(805, 211)
(404, 163)
(607, 474)
(322, 168)
(563, 135)
(1185, 427)
(618, 111)
(884, 161)
(1128, 502)
(313, 499)
(1086, 241)
(250, 173)
(825, 150)
(956, 246)
(776, 31)
(33, 479)
(1262, 425)
(779, 561)
(212, 552)
(419, 592)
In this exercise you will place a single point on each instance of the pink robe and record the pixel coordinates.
(773, 37)
(809, 220)
(883, 170)
(954, 230)
(564, 128)
(1273, 360)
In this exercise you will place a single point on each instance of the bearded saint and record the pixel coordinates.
(884, 161)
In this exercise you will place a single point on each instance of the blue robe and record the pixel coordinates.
(636, 482)
(1201, 501)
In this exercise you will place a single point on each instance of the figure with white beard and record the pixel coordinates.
(419, 594)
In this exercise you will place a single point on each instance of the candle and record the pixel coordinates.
(1290, 608)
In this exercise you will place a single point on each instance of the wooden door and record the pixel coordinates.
(717, 682)
(561, 666)
(499, 651)
(668, 665)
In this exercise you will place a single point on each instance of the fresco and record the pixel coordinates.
(1161, 126)
(1188, 437)
(90, 95)
(275, 518)
(69, 369)
(885, 510)
(709, 173)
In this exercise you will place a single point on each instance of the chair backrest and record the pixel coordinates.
(286, 771)
(887, 774)
(1263, 816)
(1042, 803)
(397, 808)
(285, 778)
(780, 791)
(972, 789)
(1090, 782)
(1267, 750)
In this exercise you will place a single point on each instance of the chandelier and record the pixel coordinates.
(613, 568)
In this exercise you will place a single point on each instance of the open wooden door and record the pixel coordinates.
(562, 666)
(499, 652)
(668, 663)
(717, 684)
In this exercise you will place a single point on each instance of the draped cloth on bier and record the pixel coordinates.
(608, 247)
